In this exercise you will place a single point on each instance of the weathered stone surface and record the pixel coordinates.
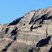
(4, 42)
(27, 32)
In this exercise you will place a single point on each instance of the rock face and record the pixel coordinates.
(23, 34)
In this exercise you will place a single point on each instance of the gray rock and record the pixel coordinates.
(31, 28)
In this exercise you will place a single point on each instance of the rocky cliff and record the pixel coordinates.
(23, 34)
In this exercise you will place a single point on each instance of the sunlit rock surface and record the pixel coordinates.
(24, 33)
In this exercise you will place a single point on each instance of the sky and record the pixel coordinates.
(13, 9)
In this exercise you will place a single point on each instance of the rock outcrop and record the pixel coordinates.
(23, 34)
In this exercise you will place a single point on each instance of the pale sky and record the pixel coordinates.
(12, 9)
